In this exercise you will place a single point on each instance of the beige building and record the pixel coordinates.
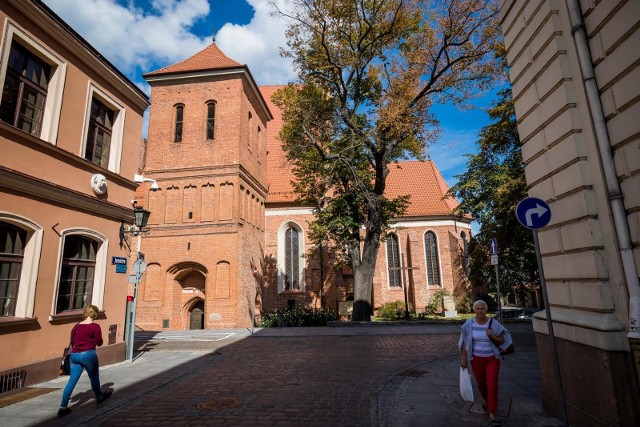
(575, 70)
(70, 136)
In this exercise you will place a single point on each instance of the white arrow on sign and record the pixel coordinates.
(538, 210)
(493, 247)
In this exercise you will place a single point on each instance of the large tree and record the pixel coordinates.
(490, 190)
(369, 72)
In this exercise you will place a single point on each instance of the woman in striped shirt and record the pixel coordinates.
(479, 345)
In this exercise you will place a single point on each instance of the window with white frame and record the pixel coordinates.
(291, 259)
(82, 271)
(291, 256)
(32, 79)
(393, 261)
(104, 130)
(12, 242)
(431, 257)
(20, 245)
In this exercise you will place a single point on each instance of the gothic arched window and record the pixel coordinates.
(292, 260)
(431, 257)
(393, 261)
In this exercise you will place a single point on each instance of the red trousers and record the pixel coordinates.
(486, 371)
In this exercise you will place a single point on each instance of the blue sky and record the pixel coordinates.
(139, 36)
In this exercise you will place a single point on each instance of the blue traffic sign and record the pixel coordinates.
(493, 246)
(533, 213)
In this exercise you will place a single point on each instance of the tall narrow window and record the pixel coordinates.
(393, 261)
(292, 260)
(24, 90)
(178, 127)
(431, 255)
(250, 126)
(99, 134)
(211, 120)
(12, 242)
(77, 273)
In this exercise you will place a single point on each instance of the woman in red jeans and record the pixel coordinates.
(479, 344)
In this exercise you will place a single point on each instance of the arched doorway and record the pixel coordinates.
(196, 316)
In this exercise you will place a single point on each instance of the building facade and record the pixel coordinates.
(70, 135)
(225, 205)
(575, 67)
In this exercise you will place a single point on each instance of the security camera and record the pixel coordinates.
(134, 201)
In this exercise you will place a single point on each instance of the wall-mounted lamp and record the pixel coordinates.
(140, 219)
(140, 178)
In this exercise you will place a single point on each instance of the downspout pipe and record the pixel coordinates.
(613, 186)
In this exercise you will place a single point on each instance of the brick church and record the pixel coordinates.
(227, 239)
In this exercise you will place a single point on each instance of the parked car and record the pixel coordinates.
(520, 313)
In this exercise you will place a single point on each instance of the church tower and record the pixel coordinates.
(207, 152)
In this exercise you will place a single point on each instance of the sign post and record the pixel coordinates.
(493, 251)
(139, 268)
(534, 213)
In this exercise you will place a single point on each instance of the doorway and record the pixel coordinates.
(196, 316)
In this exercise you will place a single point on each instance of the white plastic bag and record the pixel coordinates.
(466, 390)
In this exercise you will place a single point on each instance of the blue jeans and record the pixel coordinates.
(79, 361)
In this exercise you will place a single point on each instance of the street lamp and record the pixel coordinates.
(140, 219)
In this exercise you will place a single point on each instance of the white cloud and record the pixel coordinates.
(258, 44)
(130, 37)
(138, 41)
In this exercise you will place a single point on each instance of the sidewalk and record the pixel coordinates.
(433, 395)
(422, 394)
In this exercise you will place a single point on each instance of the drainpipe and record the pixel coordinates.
(613, 186)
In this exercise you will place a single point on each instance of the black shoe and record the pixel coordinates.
(494, 421)
(63, 411)
(104, 396)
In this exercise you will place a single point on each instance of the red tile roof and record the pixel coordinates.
(419, 179)
(424, 183)
(279, 173)
(210, 58)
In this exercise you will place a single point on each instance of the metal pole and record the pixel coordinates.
(404, 290)
(132, 318)
(499, 298)
(552, 340)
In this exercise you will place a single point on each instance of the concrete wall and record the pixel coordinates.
(583, 268)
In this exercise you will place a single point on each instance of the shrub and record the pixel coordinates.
(296, 316)
(465, 305)
(392, 310)
(435, 304)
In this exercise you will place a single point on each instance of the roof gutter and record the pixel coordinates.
(606, 158)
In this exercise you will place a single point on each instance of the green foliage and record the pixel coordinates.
(392, 310)
(297, 316)
(465, 305)
(436, 302)
(490, 191)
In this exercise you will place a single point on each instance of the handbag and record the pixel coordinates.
(508, 350)
(466, 390)
(65, 364)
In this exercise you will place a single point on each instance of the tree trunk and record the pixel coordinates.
(363, 270)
